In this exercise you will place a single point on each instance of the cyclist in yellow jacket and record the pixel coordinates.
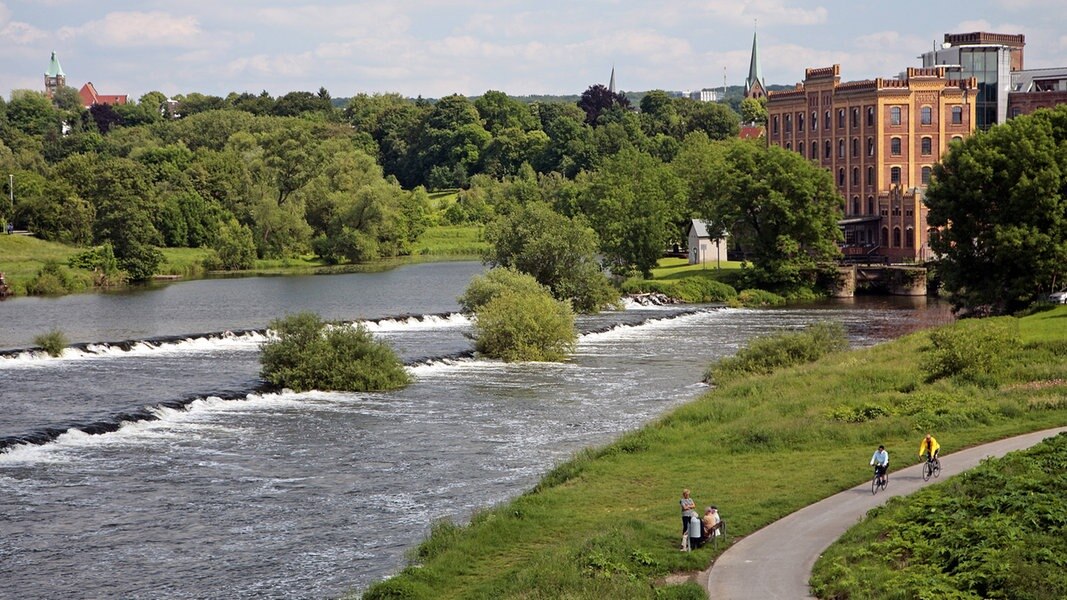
(929, 448)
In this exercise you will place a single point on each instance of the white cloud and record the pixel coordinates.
(138, 29)
(348, 21)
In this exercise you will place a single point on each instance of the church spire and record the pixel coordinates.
(754, 86)
(611, 82)
(54, 78)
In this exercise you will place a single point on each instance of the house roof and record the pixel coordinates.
(90, 96)
(53, 67)
(700, 227)
(751, 132)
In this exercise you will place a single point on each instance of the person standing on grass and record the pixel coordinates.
(689, 510)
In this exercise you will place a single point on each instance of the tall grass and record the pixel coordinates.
(759, 447)
(452, 240)
(52, 342)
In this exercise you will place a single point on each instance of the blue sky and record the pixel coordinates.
(434, 48)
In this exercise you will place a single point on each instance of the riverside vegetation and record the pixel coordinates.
(997, 531)
(602, 524)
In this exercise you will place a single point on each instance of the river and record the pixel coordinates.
(196, 485)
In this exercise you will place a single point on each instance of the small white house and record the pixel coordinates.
(703, 248)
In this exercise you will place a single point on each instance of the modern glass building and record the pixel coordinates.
(988, 57)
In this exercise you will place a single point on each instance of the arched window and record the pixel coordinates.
(774, 124)
(885, 236)
(855, 147)
(841, 177)
(927, 146)
(870, 205)
(894, 176)
(828, 149)
(870, 146)
(826, 120)
(800, 148)
(814, 120)
(789, 145)
(855, 175)
(909, 238)
(841, 118)
(894, 117)
(841, 148)
(814, 150)
(855, 118)
(894, 146)
(896, 237)
(855, 205)
(926, 115)
(870, 176)
(926, 175)
(789, 123)
(870, 116)
(800, 122)
(957, 115)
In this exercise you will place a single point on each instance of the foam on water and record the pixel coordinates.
(417, 323)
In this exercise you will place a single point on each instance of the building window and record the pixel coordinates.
(870, 146)
(894, 176)
(789, 145)
(841, 118)
(894, 117)
(885, 236)
(800, 148)
(926, 115)
(855, 205)
(870, 205)
(896, 237)
(909, 238)
(826, 121)
(840, 148)
(789, 123)
(926, 175)
(927, 146)
(894, 146)
(855, 175)
(814, 150)
(855, 118)
(957, 138)
(841, 177)
(870, 176)
(957, 115)
(855, 146)
(800, 122)
(814, 120)
(774, 125)
(829, 149)
(870, 116)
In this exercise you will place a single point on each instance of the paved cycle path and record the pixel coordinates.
(775, 562)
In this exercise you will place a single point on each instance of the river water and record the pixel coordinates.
(193, 483)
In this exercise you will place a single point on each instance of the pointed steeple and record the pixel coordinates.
(53, 67)
(754, 87)
(611, 82)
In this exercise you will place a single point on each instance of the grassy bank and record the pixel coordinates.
(605, 524)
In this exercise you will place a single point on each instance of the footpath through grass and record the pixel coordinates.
(606, 523)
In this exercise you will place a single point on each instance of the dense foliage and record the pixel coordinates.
(971, 351)
(307, 354)
(52, 342)
(1000, 198)
(517, 319)
(767, 354)
(998, 531)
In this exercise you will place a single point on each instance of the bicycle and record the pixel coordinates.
(932, 468)
(880, 481)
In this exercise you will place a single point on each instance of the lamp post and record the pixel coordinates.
(11, 195)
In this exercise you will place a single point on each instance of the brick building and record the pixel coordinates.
(880, 139)
(1036, 88)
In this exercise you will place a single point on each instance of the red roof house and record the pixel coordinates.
(90, 96)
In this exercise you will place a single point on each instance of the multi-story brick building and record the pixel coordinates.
(880, 139)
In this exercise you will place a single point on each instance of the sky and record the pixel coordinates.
(432, 48)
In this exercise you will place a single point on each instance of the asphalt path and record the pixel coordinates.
(775, 562)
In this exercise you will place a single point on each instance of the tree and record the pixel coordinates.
(516, 319)
(754, 111)
(716, 120)
(559, 252)
(597, 99)
(782, 210)
(233, 246)
(307, 354)
(634, 203)
(1000, 199)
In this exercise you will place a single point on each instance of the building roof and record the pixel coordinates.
(90, 96)
(700, 227)
(54, 70)
(751, 132)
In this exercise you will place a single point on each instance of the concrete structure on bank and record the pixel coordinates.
(880, 139)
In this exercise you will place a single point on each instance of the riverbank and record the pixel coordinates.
(604, 524)
(23, 256)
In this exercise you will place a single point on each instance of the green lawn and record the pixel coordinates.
(605, 524)
(679, 268)
(21, 256)
(452, 240)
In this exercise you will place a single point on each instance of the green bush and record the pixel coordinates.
(52, 342)
(525, 326)
(484, 288)
(766, 354)
(233, 248)
(54, 279)
(688, 289)
(972, 351)
(757, 298)
(307, 354)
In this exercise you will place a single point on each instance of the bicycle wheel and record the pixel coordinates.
(928, 470)
(937, 467)
(874, 485)
(885, 480)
